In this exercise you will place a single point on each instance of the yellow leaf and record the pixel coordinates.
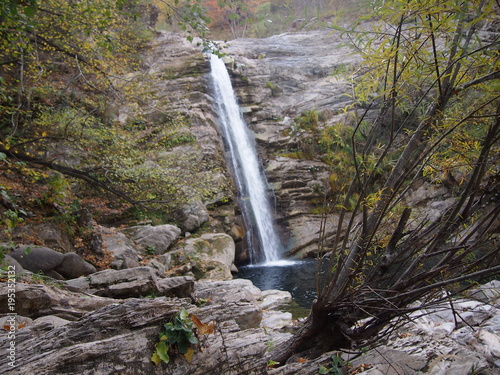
(156, 358)
(189, 354)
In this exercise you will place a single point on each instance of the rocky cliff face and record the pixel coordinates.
(277, 79)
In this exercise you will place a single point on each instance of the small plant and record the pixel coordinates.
(178, 336)
(151, 250)
(335, 368)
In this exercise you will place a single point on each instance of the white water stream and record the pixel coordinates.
(249, 178)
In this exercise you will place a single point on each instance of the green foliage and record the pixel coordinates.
(177, 336)
(308, 120)
(151, 250)
(431, 70)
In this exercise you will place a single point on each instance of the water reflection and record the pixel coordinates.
(297, 277)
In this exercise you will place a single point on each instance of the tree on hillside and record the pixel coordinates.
(431, 68)
(59, 54)
(65, 66)
(234, 15)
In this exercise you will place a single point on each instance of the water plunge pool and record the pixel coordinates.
(297, 277)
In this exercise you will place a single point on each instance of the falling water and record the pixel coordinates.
(249, 178)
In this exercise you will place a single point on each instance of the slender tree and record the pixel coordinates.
(433, 70)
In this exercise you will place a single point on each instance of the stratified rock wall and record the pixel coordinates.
(277, 79)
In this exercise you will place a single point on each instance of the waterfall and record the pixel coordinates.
(250, 181)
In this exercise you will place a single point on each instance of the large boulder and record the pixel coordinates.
(122, 250)
(126, 283)
(37, 258)
(211, 256)
(154, 239)
(132, 283)
(50, 262)
(73, 266)
(191, 216)
(245, 309)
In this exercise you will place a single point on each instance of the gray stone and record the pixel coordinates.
(80, 284)
(158, 267)
(211, 256)
(165, 259)
(245, 309)
(72, 266)
(275, 319)
(271, 299)
(52, 320)
(35, 300)
(126, 283)
(120, 338)
(191, 216)
(36, 258)
(9, 261)
(221, 247)
(181, 286)
(14, 322)
(488, 293)
(122, 250)
(154, 239)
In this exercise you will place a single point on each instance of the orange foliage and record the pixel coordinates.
(227, 14)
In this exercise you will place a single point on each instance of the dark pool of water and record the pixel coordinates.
(298, 277)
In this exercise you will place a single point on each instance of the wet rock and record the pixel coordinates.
(271, 299)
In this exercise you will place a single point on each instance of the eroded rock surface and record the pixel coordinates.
(119, 337)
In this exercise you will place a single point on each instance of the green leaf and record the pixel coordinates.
(191, 338)
(183, 315)
(30, 11)
(173, 337)
(182, 346)
(3, 156)
(162, 351)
